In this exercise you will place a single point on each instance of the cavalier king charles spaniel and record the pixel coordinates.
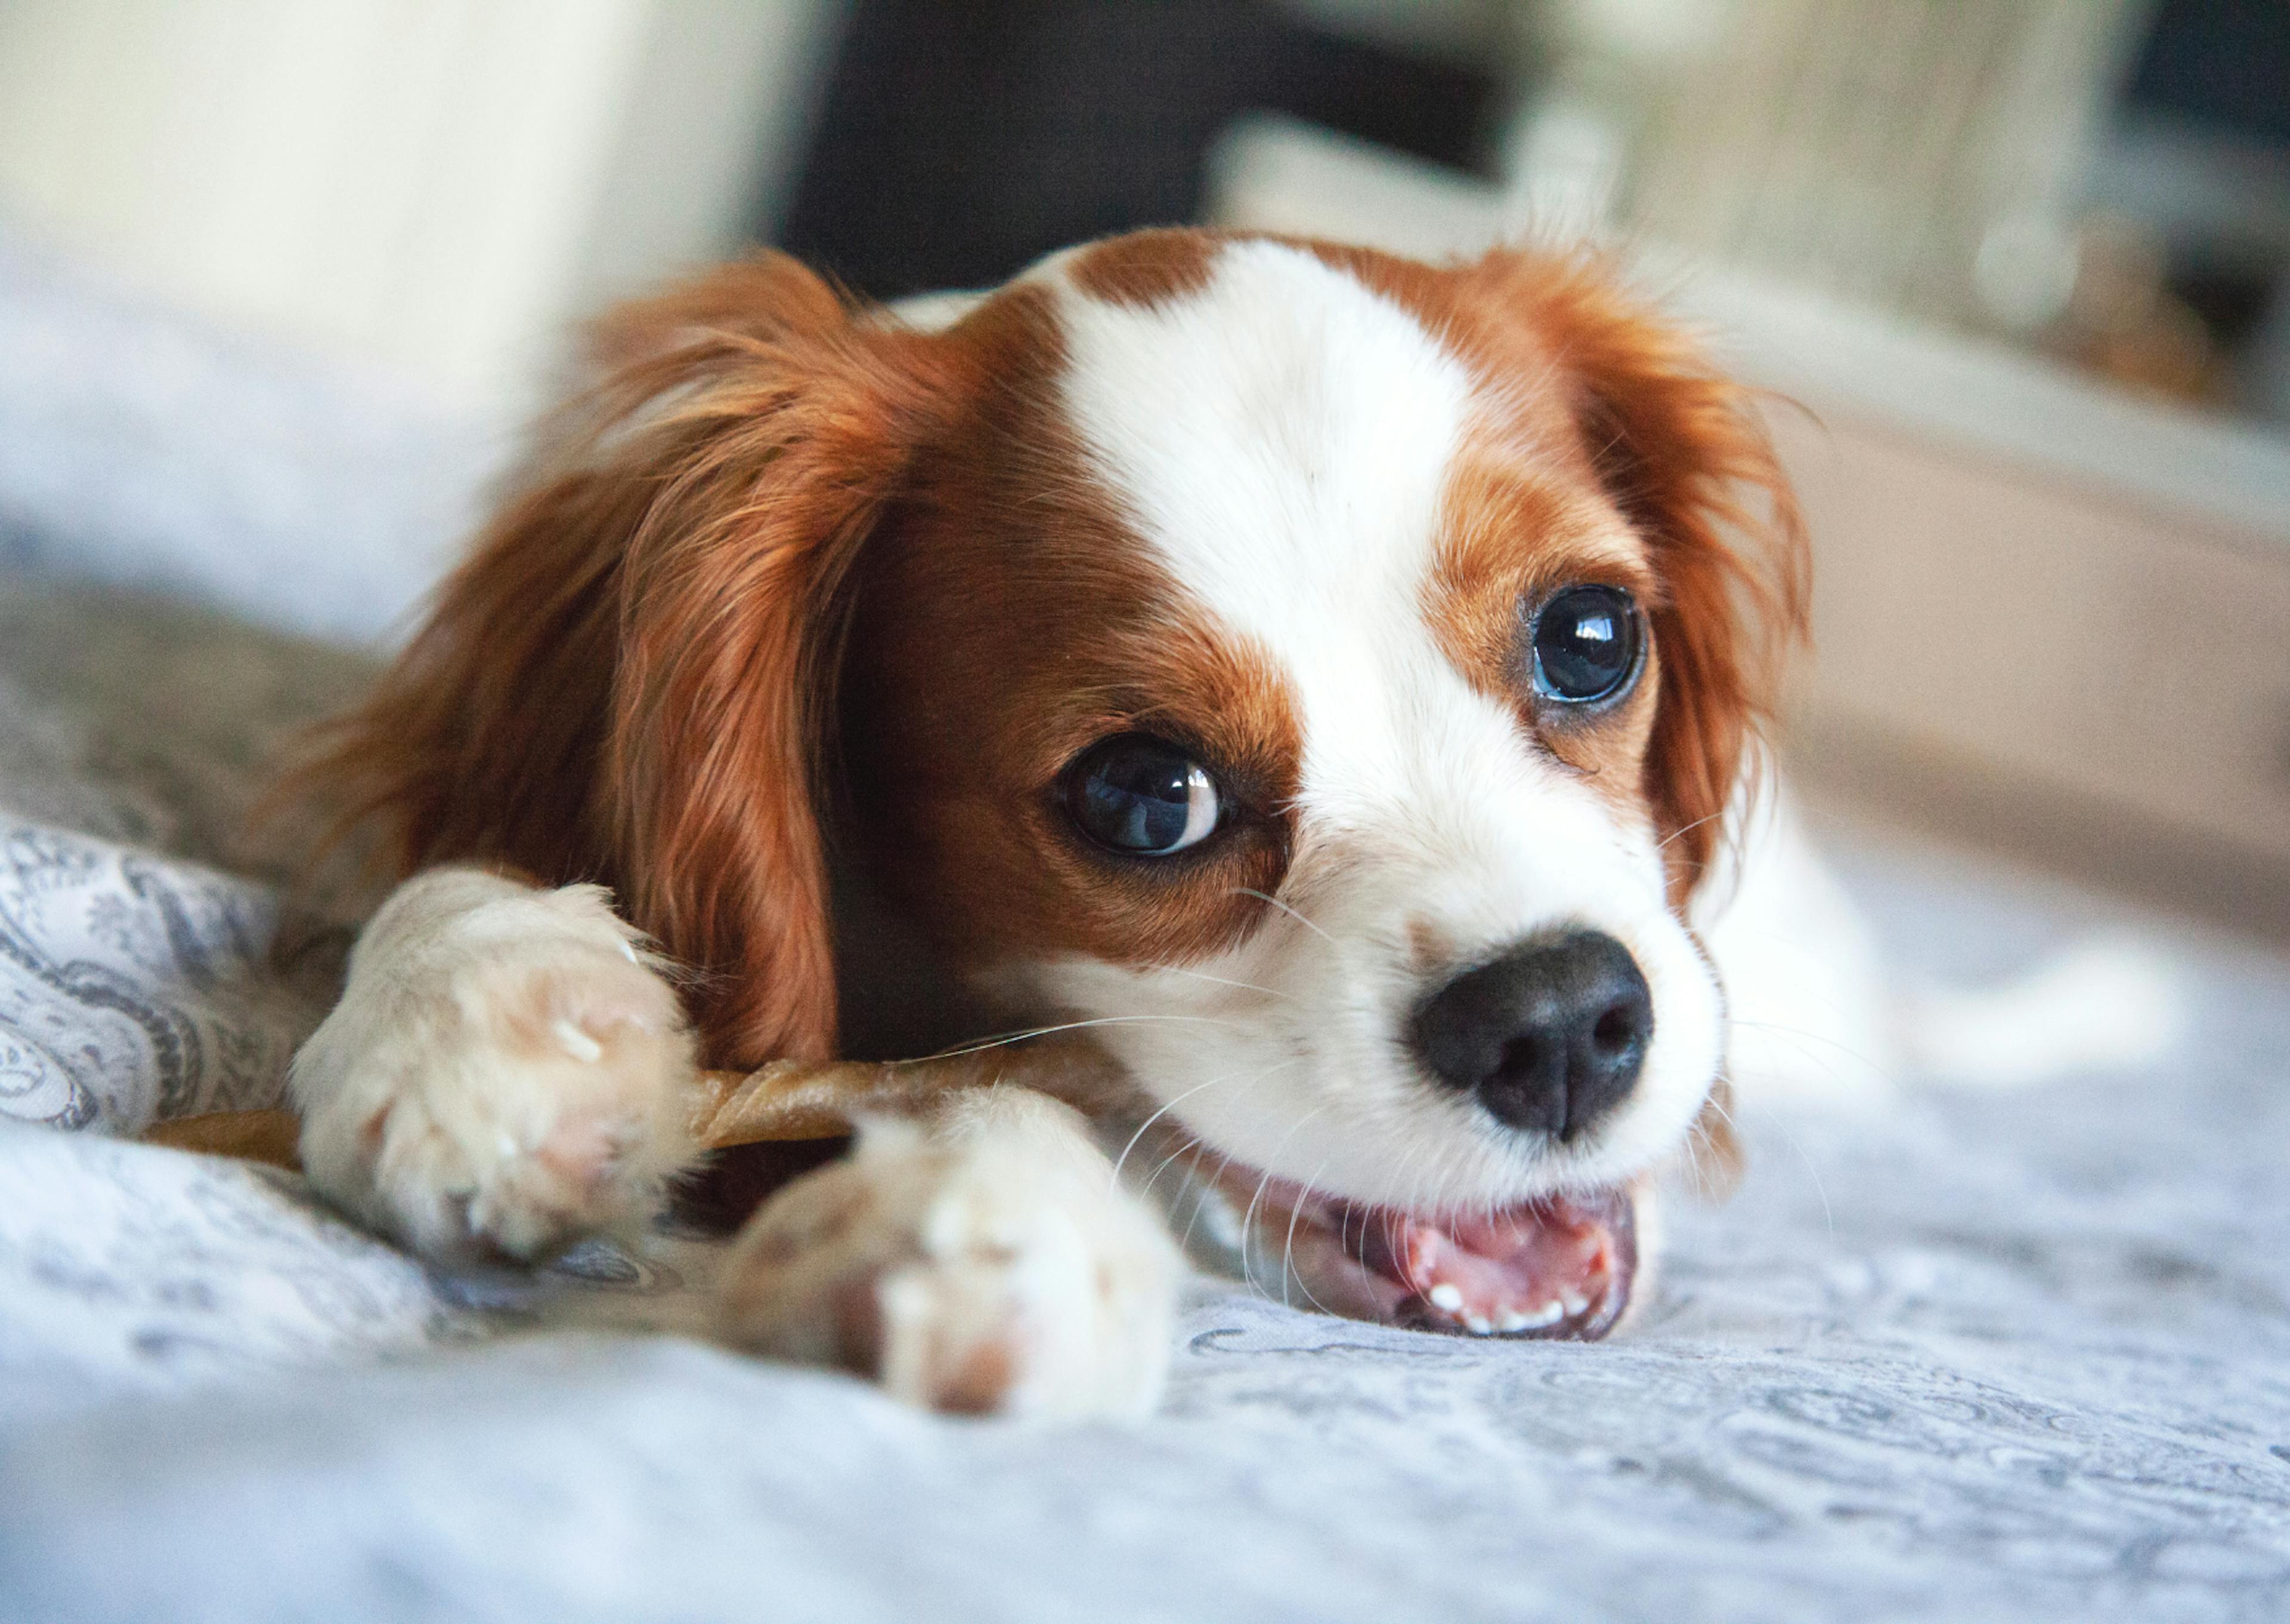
(1320, 676)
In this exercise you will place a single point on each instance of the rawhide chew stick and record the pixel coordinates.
(788, 1099)
(251, 1136)
(785, 1100)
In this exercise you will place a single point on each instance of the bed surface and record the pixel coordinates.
(2019, 1356)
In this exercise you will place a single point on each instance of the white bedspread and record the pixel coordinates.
(2010, 1357)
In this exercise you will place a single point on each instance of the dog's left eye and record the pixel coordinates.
(1586, 642)
(1143, 796)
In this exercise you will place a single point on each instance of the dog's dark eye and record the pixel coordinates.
(1142, 797)
(1586, 642)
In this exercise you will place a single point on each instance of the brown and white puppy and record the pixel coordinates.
(1324, 675)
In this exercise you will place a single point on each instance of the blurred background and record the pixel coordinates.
(2018, 272)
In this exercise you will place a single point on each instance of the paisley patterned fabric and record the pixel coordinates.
(140, 980)
(1982, 1356)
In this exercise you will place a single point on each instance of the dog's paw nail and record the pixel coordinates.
(577, 1043)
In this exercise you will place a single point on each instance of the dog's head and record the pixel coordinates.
(1324, 673)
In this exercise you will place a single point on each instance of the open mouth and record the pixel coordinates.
(1557, 1269)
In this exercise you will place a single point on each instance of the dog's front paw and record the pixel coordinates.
(988, 1268)
(504, 1075)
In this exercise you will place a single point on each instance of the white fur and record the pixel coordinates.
(1819, 1017)
(983, 1261)
(1808, 995)
(504, 1072)
(1282, 439)
(507, 1072)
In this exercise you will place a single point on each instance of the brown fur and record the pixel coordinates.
(625, 682)
(1010, 618)
(1145, 268)
(634, 678)
(1514, 532)
(1677, 447)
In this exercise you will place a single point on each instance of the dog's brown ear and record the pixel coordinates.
(629, 679)
(1682, 452)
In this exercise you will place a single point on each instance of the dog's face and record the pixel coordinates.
(1320, 674)
(1268, 676)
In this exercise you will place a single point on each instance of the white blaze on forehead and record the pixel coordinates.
(1281, 438)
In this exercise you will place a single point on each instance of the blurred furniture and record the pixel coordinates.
(2105, 180)
(434, 187)
(1921, 156)
(957, 144)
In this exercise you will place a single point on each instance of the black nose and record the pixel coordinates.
(1550, 1036)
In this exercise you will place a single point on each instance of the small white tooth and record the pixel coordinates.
(1512, 1320)
(627, 953)
(1446, 1295)
(1575, 1301)
(1477, 1324)
(1549, 1314)
(577, 1043)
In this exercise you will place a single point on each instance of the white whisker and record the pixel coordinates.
(1804, 1037)
(1202, 975)
(1288, 1251)
(1166, 1109)
(1192, 1143)
(1008, 1038)
(1828, 1213)
(1264, 1183)
(1244, 890)
(1683, 830)
(1216, 1180)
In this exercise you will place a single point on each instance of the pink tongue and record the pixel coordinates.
(1527, 1269)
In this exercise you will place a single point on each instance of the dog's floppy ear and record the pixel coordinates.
(1681, 450)
(629, 677)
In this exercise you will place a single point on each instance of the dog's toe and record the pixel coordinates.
(502, 1098)
(969, 1280)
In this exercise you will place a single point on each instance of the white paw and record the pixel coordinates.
(992, 1268)
(504, 1075)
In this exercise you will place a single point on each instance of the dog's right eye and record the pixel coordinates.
(1142, 797)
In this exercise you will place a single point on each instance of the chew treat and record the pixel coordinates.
(251, 1136)
(800, 1100)
(785, 1100)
